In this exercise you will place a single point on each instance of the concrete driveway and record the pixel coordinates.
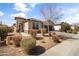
(69, 47)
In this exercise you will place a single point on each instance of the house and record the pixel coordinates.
(25, 25)
(57, 27)
(72, 27)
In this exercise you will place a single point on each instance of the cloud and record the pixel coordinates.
(1, 13)
(71, 19)
(74, 19)
(70, 15)
(19, 15)
(21, 7)
(70, 11)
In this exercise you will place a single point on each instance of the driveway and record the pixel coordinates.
(69, 47)
(68, 35)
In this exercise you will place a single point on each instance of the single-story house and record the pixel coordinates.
(57, 27)
(27, 25)
(24, 25)
(72, 27)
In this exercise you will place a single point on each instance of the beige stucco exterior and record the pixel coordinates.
(26, 25)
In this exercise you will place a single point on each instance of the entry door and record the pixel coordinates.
(21, 27)
(51, 28)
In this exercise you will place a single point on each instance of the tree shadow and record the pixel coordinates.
(37, 50)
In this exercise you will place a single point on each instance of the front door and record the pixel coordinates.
(51, 28)
(21, 27)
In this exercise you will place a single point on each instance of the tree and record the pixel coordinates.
(65, 27)
(76, 28)
(51, 13)
(3, 31)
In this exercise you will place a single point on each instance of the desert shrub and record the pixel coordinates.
(33, 32)
(17, 39)
(28, 44)
(43, 31)
(65, 27)
(55, 38)
(8, 40)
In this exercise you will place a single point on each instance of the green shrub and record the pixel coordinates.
(76, 28)
(65, 27)
(28, 44)
(70, 31)
(74, 32)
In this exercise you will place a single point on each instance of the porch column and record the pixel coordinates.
(17, 26)
(40, 25)
(30, 24)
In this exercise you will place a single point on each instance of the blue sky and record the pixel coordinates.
(8, 11)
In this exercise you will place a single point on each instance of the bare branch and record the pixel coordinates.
(51, 13)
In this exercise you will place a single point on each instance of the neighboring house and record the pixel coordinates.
(48, 25)
(57, 27)
(24, 25)
(72, 27)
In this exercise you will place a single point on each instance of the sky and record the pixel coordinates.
(69, 11)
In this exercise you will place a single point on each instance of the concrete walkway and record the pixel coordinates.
(69, 47)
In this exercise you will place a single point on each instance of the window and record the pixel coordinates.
(35, 25)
